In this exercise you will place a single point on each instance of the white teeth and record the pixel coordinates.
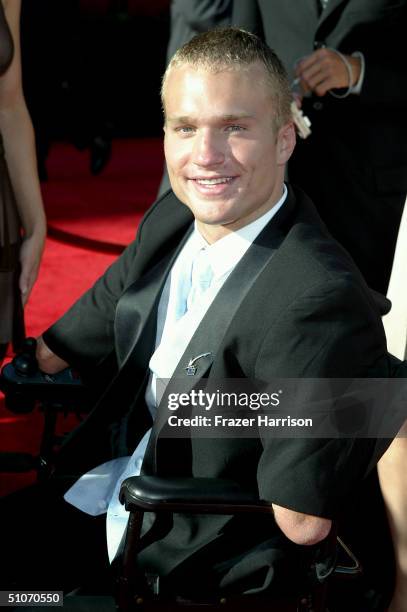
(214, 181)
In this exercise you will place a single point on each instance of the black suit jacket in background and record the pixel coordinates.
(295, 306)
(354, 165)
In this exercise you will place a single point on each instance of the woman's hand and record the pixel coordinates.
(30, 258)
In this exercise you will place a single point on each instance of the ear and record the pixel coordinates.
(285, 143)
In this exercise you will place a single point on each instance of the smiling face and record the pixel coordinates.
(225, 160)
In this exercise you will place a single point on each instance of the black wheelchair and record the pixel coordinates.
(24, 385)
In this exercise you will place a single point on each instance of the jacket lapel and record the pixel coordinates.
(331, 11)
(311, 7)
(162, 236)
(137, 308)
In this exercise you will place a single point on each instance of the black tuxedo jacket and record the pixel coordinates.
(354, 165)
(295, 306)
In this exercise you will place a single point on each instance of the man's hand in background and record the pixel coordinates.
(324, 70)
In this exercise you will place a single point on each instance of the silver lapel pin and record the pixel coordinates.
(191, 368)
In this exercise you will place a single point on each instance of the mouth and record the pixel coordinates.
(214, 181)
(216, 185)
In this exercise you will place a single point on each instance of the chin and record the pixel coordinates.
(215, 218)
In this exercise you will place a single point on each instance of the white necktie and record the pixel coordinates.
(201, 278)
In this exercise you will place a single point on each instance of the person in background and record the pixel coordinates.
(22, 217)
(345, 59)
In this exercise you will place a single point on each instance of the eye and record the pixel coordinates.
(235, 128)
(184, 129)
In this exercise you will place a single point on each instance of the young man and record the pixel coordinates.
(232, 275)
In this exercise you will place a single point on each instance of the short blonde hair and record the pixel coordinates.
(236, 49)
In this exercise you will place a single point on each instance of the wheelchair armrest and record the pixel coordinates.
(191, 495)
(210, 496)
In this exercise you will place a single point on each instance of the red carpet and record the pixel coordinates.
(107, 208)
(90, 220)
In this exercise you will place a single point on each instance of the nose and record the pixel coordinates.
(208, 150)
